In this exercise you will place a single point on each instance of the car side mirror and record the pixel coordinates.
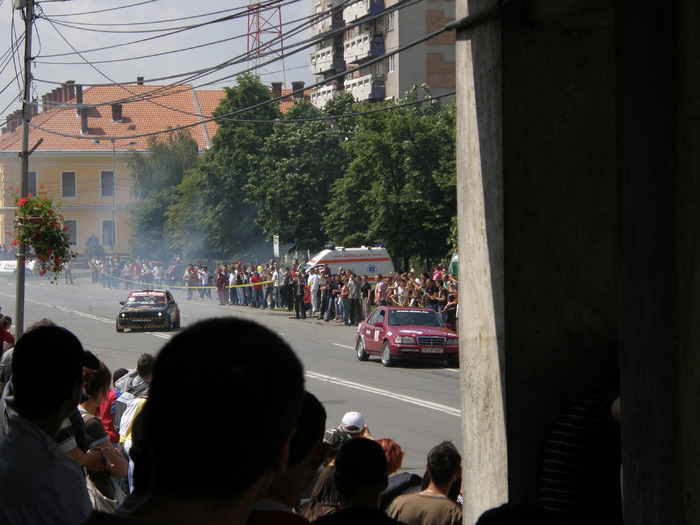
(121, 303)
(378, 324)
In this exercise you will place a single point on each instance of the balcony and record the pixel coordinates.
(363, 47)
(367, 87)
(325, 60)
(362, 8)
(323, 94)
(328, 22)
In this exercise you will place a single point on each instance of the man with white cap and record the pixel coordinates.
(353, 424)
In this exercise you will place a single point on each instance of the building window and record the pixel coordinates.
(108, 233)
(390, 64)
(390, 21)
(73, 230)
(107, 179)
(68, 184)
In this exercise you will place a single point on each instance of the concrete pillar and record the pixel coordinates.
(659, 159)
(480, 222)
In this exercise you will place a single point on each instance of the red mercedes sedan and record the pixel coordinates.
(395, 332)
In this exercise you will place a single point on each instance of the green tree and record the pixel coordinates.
(212, 217)
(156, 176)
(300, 161)
(399, 188)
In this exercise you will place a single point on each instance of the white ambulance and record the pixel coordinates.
(365, 260)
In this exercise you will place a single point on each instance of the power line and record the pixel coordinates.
(273, 100)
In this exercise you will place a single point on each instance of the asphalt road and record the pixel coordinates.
(415, 404)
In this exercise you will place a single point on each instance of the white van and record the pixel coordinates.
(365, 260)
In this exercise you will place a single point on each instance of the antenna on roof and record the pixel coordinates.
(265, 41)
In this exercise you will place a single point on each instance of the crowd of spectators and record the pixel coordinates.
(63, 458)
(339, 295)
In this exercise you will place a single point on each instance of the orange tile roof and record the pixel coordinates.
(287, 102)
(145, 110)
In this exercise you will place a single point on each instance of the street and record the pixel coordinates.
(416, 404)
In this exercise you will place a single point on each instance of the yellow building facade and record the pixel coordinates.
(85, 137)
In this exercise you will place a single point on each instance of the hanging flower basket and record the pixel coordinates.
(39, 225)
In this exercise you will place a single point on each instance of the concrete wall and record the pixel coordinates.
(560, 228)
(585, 125)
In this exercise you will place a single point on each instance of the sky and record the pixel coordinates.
(67, 37)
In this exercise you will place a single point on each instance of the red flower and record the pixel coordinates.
(22, 202)
(14, 243)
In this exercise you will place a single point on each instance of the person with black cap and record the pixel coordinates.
(39, 484)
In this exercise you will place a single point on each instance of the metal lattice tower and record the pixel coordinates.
(265, 51)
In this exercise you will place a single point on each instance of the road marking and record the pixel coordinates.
(385, 393)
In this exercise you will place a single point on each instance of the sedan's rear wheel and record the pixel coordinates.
(360, 349)
(387, 359)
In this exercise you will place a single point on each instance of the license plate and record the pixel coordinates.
(431, 350)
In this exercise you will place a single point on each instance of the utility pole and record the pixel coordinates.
(26, 117)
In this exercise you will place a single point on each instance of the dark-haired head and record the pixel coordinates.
(118, 374)
(144, 366)
(251, 394)
(47, 366)
(97, 381)
(517, 514)
(443, 462)
(360, 461)
(309, 429)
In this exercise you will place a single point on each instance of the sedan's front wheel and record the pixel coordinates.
(387, 359)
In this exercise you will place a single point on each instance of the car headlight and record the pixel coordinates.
(122, 315)
(452, 341)
(160, 314)
(404, 340)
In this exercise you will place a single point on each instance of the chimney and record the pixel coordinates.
(34, 108)
(78, 99)
(116, 112)
(276, 89)
(139, 81)
(84, 130)
(57, 95)
(69, 89)
(44, 103)
(297, 86)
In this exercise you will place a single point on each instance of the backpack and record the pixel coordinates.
(126, 400)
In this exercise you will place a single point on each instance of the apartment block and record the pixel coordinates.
(352, 36)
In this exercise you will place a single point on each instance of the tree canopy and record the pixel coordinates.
(156, 176)
(381, 173)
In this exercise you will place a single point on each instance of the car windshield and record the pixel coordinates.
(145, 300)
(414, 318)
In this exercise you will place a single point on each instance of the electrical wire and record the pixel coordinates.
(303, 45)
(326, 36)
(172, 32)
(110, 9)
(273, 100)
(243, 57)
